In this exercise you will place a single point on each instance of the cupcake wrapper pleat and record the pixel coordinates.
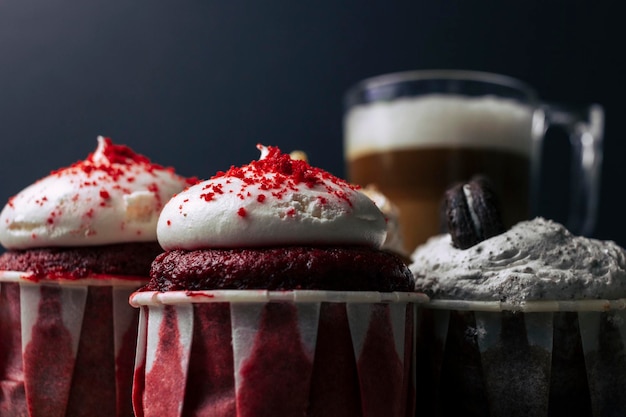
(274, 376)
(12, 395)
(276, 358)
(516, 369)
(378, 331)
(139, 371)
(51, 325)
(170, 331)
(245, 325)
(431, 331)
(604, 341)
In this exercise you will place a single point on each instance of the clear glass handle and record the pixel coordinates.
(585, 130)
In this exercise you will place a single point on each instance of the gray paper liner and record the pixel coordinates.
(38, 372)
(503, 363)
(247, 334)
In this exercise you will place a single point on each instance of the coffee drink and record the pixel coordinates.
(415, 148)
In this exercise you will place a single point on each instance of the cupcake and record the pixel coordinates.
(523, 322)
(394, 240)
(273, 298)
(78, 242)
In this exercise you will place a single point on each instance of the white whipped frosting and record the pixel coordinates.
(534, 260)
(274, 201)
(114, 196)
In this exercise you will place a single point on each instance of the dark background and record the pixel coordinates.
(197, 83)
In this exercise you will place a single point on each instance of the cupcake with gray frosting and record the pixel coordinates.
(535, 260)
(528, 322)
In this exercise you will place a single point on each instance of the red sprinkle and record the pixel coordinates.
(192, 181)
(105, 194)
(122, 154)
(205, 196)
(242, 212)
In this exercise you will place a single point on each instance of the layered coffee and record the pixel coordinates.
(414, 148)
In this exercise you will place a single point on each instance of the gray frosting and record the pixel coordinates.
(534, 260)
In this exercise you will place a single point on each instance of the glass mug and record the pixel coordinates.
(413, 134)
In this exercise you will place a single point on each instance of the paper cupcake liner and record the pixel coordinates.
(66, 350)
(494, 362)
(283, 353)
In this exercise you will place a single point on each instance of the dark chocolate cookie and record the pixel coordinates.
(472, 212)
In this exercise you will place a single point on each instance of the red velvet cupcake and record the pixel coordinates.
(273, 297)
(79, 242)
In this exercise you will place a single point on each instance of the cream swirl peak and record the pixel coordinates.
(114, 196)
(276, 200)
(534, 260)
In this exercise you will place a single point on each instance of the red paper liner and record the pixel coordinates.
(66, 350)
(273, 357)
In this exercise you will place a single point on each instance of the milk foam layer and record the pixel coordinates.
(114, 196)
(534, 260)
(273, 201)
(438, 120)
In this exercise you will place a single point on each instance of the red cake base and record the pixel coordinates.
(129, 259)
(281, 268)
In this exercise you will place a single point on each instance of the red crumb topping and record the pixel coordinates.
(289, 174)
(121, 154)
(241, 212)
(115, 163)
(205, 196)
(117, 160)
